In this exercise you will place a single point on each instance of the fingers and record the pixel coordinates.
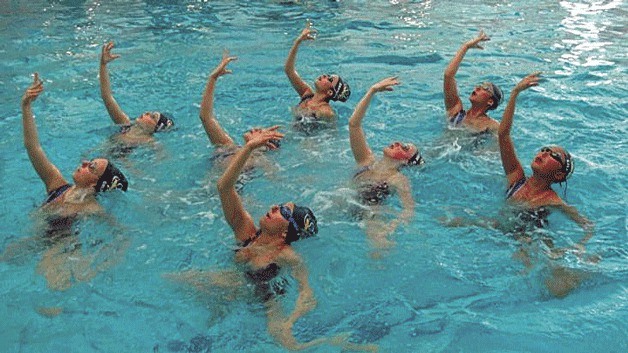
(273, 128)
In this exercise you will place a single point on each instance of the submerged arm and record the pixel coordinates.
(115, 112)
(297, 82)
(217, 135)
(47, 171)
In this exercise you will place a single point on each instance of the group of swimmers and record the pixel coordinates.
(265, 249)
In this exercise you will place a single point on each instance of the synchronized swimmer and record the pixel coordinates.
(265, 250)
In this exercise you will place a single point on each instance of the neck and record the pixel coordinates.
(80, 193)
(140, 130)
(387, 163)
(476, 112)
(266, 238)
(540, 183)
(320, 97)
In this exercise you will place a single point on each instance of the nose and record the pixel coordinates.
(84, 163)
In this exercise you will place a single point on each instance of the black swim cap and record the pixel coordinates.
(165, 121)
(111, 178)
(568, 166)
(341, 90)
(305, 220)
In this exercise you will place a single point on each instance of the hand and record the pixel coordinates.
(221, 69)
(528, 81)
(385, 84)
(106, 56)
(475, 42)
(33, 91)
(263, 137)
(308, 32)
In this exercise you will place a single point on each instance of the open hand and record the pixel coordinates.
(106, 56)
(528, 81)
(221, 69)
(263, 137)
(475, 42)
(308, 32)
(385, 84)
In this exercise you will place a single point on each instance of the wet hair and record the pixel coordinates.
(341, 90)
(165, 121)
(111, 178)
(497, 96)
(304, 225)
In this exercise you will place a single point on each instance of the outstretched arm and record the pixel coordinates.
(238, 218)
(361, 151)
(582, 221)
(297, 82)
(115, 112)
(47, 171)
(453, 104)
(216, 134)
(510, 162)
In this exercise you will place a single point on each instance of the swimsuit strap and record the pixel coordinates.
(306, 97)
(458, 118)
(515, 187)
(361, 170)
(54, 194)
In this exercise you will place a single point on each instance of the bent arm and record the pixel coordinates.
(115, 112)
(297, 82)
(47, 171)
(587, 226)
(237, 217)
(453, 104)
(215, 132)
(510, 162)
(305, 301)
(361, 151)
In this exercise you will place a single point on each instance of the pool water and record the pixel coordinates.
(439, 289)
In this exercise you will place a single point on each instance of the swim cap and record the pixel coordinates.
(111, 178)
(416, 159)
(165, 121)
(302, 225)
(341, 90)
(496, 94)
(569, 165)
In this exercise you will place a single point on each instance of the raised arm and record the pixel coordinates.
(47, 171)
(453, 104)
(510, 162)
(297, 82)
(115, 112)
(238, 218)
(361, 151)
(215, 132)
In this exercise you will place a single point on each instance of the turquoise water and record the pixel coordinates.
(439, 289)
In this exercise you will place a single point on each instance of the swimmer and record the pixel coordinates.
(65, 202)
(142, 130)
(485, 96)
(225, 147)
(314, 104)
(376, 179)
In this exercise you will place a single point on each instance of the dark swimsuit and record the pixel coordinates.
(374, 193)
(307, 123)
(534, 217)
(268, 283)
(457, 119)
(119, 149)
(57, 225)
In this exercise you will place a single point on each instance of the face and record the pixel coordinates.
(400, 151)
(482, 94)
(148, 119)
(549, 160)
(274, 221)
(325, 83)
(88, 173)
